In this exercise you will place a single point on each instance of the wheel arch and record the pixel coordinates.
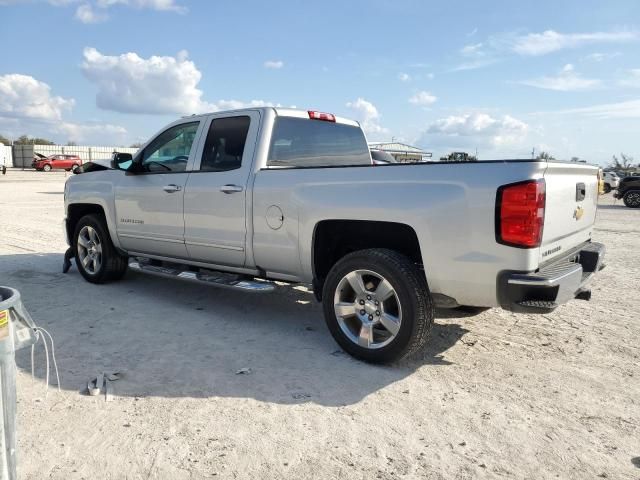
(333, 239)
(75, 211)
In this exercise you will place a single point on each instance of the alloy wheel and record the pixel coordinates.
(89, 250)
(368, 309)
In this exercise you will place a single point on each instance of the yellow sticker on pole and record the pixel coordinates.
(4, 323)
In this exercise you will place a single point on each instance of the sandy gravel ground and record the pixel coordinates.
(495, 395)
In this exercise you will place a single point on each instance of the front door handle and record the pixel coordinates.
(172, 188)
(231, 188)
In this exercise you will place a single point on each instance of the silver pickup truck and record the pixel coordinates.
(242, 198)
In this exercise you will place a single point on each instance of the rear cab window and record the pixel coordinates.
(299, 142)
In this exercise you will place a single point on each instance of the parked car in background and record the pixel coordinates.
(611, 181)
(59, 162)
(380, 157)
(629, 191)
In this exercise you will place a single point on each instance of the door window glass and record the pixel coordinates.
(225, 144)
(169, 151)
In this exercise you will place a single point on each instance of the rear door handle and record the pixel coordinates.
(231, 188)
(172, 188)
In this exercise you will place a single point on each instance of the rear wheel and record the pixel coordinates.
(47, 168)
(377, 305)
(632, 199)
(97, 259)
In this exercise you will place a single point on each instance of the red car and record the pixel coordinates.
(62, 162)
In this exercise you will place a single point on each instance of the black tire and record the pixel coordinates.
(413, 295)
(607, 188)
(47, 168)
(75, 168)
(632, 199)
(113, 265)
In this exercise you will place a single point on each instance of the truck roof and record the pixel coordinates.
(280, 111)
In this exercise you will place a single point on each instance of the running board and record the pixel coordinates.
(220, 279)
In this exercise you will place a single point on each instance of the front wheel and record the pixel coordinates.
(377, 305)
(47, 168)
(607, 188)
(97, 259)
(632, 199)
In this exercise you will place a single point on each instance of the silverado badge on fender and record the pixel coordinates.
(578, 213)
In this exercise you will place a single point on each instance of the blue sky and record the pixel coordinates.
(501, 77)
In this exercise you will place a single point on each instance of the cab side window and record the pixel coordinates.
(225, 144)
(169, 151)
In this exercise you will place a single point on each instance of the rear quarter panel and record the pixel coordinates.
(450, 206)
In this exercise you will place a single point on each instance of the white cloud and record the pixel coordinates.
(27, 106)
(368, 116)
(472, 50)
(404, 77)
(600, 57)
(549, 41)
(131, 84)
(607, 111)
(631, 79)
(237, 104)
(92, 133)
(128, 83)
(161, 5)
(24, 96)
(566, 81)
(475, 64)
(475, 129)
(86, 14)
(423, 98)
(62, 3)
(476, 55)
(274, 64)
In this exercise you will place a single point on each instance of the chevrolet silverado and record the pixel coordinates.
(242, 198)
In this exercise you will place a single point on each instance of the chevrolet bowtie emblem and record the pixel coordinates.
(577, 214)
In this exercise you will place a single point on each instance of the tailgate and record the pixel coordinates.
(570, 211)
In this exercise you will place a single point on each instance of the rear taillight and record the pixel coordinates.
(327, 117)
(520, 214)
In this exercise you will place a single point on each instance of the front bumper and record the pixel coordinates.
(552, 285)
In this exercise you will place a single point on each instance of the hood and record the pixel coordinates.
(95, 166)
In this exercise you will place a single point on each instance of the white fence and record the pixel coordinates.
(23, 154)
(6, 157)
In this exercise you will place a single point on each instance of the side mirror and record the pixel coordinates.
(121, 161)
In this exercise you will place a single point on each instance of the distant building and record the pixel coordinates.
(402, 152)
